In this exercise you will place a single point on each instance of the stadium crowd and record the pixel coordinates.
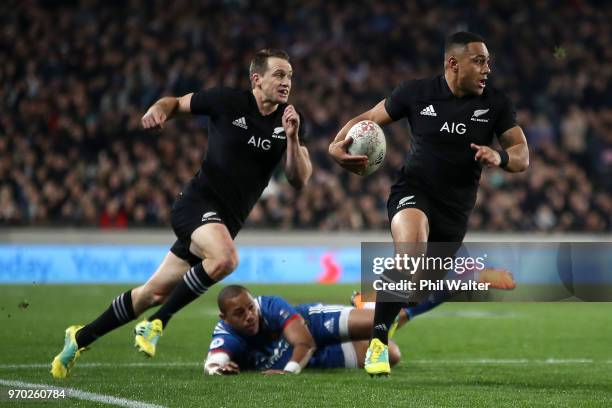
(77, 76)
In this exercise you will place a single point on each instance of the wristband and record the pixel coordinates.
(293, 367)
(505, 158)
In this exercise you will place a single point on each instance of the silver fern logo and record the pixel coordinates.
(405, 201)
(479, 112)
(476, 117)
(210, 216)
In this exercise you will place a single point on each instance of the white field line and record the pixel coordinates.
(82, 395)
(98, 365)
(503, 361)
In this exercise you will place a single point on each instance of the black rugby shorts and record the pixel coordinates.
(192, 210)
(446, 224)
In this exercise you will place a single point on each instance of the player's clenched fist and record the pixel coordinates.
(154, 118)
(291, 121)
(486, 156)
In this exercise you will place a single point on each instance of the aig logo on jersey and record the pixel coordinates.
(453, 127)
(260, 142)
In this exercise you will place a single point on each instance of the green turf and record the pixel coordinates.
(459, 355)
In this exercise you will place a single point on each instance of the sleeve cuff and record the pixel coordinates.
(290, 319)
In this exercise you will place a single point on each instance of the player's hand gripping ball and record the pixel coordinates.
(368, 140)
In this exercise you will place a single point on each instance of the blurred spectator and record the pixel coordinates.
(113, 216)
(77, 76)
(574, 127)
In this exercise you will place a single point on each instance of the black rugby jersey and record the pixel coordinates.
(440, 159)
(244, 147)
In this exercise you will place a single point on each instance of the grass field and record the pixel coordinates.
(459, 355)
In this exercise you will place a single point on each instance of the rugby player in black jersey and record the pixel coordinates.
(453, 118)
(249, 133)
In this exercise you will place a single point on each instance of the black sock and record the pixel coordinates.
(120, 312)
(194, 283)
(388, 305)
(384, 315)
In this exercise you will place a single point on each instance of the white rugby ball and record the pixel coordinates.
(368, 140)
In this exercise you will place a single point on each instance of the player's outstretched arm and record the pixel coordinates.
(219, 363)
(165, 109)
(297, 334)
(298, 167)
(514, 156)
(338, 149)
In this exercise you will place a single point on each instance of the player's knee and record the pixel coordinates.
(226, 263)
(229, 261)
(394, 354)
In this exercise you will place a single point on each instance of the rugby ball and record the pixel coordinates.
(368, 140)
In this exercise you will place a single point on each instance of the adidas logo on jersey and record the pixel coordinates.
(429, 111)
(329, 325)
(240, 122)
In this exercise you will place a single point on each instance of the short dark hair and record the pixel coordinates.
(229, 292)
(461, 38)
(259, 63)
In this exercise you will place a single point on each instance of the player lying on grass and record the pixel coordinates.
(266, 333)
